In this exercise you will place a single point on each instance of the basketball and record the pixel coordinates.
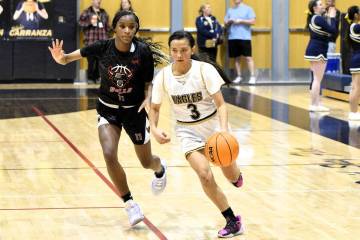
(221, 149)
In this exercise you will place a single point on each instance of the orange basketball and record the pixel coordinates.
(221, 149)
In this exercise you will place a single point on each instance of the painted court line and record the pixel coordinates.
(147, 222)
(54, 208)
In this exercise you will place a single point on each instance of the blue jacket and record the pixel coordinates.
(204, 30)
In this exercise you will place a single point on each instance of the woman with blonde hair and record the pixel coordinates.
(209, 32)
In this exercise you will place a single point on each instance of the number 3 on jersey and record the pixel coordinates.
(195, 114)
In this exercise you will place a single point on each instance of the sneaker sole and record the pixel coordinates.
(240, 232)
(138, 221)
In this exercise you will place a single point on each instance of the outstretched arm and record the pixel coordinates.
(59, 55)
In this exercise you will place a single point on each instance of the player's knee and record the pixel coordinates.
(248, 59)
(205, 176)
(109, 155)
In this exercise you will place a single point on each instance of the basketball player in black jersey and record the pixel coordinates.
(126, 69)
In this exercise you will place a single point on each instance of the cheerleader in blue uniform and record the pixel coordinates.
(353, 37)
(316, 51)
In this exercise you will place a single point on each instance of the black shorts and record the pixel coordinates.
(239, 48)
(135, 124)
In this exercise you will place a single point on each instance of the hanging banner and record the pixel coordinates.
(31, 19)
(4, 18)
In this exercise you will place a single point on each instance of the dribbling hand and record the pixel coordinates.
(57, 52)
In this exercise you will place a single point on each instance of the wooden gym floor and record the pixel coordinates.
(301, 170)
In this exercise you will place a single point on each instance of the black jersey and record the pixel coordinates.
(123, 74)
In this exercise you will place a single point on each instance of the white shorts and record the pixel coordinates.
(192, 137)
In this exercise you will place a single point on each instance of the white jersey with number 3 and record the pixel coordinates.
(189, 94)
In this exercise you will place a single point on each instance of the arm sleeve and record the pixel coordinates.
(95, 49)
(355, 32)
(251, 14)
(41, 6)
(158, 87)
(211, 77)
(84, 20)
(227, 16)
(18, 6)
(148, 65)
(321, 22)
(357, 29)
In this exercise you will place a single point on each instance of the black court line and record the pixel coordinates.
(324, 125)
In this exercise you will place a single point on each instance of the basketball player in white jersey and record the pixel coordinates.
(194, 91)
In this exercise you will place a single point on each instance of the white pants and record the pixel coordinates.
(331, 47)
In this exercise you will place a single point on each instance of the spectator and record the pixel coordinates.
(209, 32)
(94, 22)
(316, 51)
(332, 41)
(239, 20)
(126, 6)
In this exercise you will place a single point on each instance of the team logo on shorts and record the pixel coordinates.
(120, 75)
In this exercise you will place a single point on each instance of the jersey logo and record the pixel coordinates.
(187, 98)
(120, 75)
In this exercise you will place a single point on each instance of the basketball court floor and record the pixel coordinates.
(301, 170)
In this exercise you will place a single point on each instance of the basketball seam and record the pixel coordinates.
(228, 146)
(217, 151)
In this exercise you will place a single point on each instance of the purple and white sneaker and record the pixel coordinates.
(239, 182)
(232, 228)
